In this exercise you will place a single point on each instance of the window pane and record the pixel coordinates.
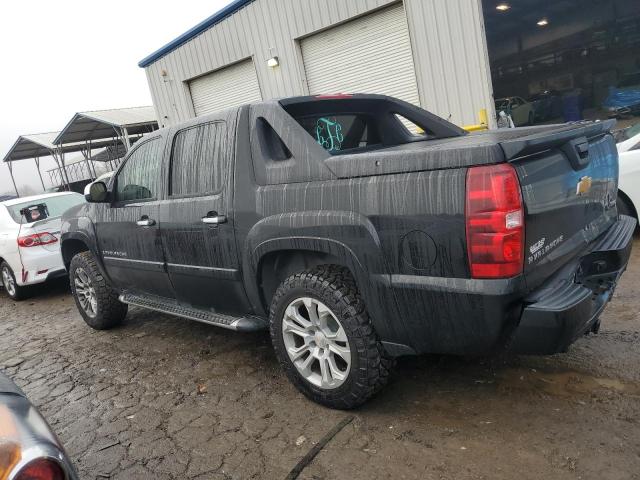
(337, 133)
(197, 161)
(138, 179)
(56, 206)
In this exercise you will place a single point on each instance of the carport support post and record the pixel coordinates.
(13, 180)
(37, 159)
(59, 158)
(127, 140)
(87, 155)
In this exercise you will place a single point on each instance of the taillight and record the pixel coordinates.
(495, 222)
(41, 469)
(36, 240)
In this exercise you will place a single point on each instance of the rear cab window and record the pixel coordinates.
(337, 133)
(55, 207)
(346, 124)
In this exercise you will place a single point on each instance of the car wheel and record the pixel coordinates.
(97, 302)
(15, 291)
(324, 339)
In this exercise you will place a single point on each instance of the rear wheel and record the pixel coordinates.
(97, 302)
(15, 291)
(324, 339)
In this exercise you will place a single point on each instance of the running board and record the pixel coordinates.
(158, 304)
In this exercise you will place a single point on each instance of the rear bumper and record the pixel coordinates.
(39, 265)
(569, 304)
(467, 316)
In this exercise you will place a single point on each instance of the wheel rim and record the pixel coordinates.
(8, 282)
(316, 343)
(85, 293)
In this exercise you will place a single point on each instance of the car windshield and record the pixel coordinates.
(56, 206)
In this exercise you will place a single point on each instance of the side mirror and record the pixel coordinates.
(96, 192)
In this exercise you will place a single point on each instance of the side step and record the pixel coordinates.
(239, 324)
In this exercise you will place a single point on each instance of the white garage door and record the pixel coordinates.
(371, 54)
(229, 87)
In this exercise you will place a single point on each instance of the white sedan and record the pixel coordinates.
(629, 188)
(29, 240)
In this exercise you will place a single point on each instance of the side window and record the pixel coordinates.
(198, 160)
(138, 179)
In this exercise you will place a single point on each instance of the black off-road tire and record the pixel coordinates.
(110, 311)
(370, 364)
(19, 293)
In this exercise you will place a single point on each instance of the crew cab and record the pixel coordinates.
(357, 229)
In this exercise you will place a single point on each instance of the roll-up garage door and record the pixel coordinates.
(225, 88)
(371, 54)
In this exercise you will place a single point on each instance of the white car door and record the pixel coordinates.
(629, 183)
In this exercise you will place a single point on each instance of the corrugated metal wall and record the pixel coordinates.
(447, 36)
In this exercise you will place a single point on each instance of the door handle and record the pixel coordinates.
(213, 218)
(146, 222)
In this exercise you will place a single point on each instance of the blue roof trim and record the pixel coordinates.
(227, 11)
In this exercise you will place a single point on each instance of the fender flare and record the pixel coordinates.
(89, 243)
(374, 287)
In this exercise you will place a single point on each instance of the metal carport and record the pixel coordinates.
(122, 123)
(113, 130)
(38, 145)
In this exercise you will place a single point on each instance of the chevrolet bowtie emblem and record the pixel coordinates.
(584, 186)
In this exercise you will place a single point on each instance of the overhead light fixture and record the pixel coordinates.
(273, 62)
(503, 7)
(543, 22)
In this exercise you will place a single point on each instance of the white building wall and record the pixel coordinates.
(447, 36)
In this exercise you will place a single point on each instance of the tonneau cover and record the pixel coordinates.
(481, 148)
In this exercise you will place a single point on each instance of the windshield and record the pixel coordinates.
(56, 206)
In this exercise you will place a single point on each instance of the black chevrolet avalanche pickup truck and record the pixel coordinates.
(357, 229)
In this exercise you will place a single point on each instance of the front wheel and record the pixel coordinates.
(97, 302)
(324, 339)
(15, 291)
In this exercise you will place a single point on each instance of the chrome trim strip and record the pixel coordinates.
(133, 261)
(213, 269)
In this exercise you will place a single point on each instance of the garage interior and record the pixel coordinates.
(563, 54)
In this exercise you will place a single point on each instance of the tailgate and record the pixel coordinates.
(569, 186)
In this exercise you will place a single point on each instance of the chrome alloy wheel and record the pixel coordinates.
(85, 292)
(8, 282)
(316, 343)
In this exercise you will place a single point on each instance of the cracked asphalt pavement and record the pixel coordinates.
(165, 398)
